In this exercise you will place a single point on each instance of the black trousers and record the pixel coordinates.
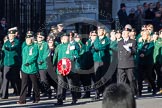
(0, 79)
(145, 71)
(100, 68)
(51, 74)
(126, 75)
(52, 77)
(25, 78)
(43, 76)
(158, 69)
(72, 80)
(86, 82)
(10, 74)
(44, 81)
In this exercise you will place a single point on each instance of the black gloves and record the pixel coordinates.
(27, 64)
(7, 48)
(96, 50)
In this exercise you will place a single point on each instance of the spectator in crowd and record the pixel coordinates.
(149, 14)
(157, 21)
(122, 15)
(160, 9)
(145, 7)
(60, 31)
(3, 29)
(118, 96)
(139, 16)
(157, 6)
(132, 18)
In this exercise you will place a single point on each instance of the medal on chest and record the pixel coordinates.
(12, 44)
(68, 49)
(31, 51)
(41, 46)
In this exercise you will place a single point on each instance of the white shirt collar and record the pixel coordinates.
(101, 37)
(126, 39)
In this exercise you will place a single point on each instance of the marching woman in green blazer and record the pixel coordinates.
(145, 61)
(66, 50)
(158, 61)
(43, 52)
(29, 69)
(12, 61)
(101, 58)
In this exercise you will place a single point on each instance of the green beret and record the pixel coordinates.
(118, 31)
(11, 32)
(101, 27)
(65, 34)
(28, 36)
(3, 19)
(31, 33)
(77, 36)
(40, 33)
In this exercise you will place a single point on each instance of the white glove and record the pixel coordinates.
(127, 47)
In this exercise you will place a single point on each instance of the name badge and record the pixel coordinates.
(72, 47)
(103, 42)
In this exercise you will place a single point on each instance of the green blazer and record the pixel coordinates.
(29, 55)
(101, 50)
(66, 50)
(12, 53)
(43, 52)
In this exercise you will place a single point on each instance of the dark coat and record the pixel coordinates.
(126, 58)
(3, 32)
(123, 18)
(146, 48)
(149, 15)
(157, 23)
(58, 37)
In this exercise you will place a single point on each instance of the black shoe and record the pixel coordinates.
(28, 95)
(49, 95)
(21, 102)
(15, 94)
(4, 98)
(36, 101)
(73, 102)
(97, 97)
(149, 89)
(64, 98)
(139, 94)
(44, 95)
(59, 103)
(154, 93)
(85, 96)
(79, 95)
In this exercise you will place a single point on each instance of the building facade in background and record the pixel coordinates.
(25, 14)
(41, 14)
